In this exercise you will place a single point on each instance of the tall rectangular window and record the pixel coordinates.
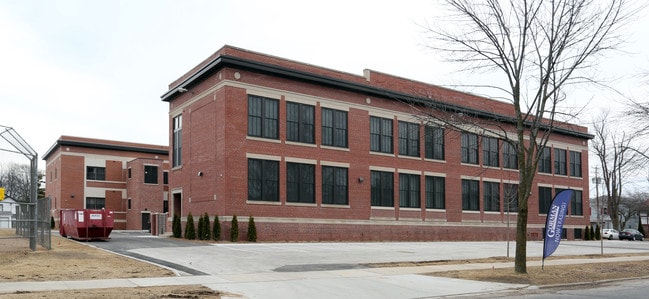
(545, 161)
(510, 197)
(434, 143)
(510, 156)
(408, 139)
(491, 194)
(165, 177)
(490, 151)
(334, 185)
(576, 203)
(575, 164)
(263, 180)
(381, 135)
(150, 174)
(97, 203)
(409, 191)
(545, 199)
(300, 183)
(469, 148)
(382, 193)
(435, 192)
(177, 141)
(263, 117)
(334, 127)
(560, 166)
(95, 173)
(300, 120)
(470, 195)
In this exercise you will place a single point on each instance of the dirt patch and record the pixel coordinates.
(71, 260)
(551, 275)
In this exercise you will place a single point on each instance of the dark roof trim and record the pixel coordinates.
(104, 146)
(237, 62)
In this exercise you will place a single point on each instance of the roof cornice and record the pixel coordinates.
(104, 146)
(222, 61)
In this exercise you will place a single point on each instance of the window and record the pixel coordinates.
(545, 199)
(510, 197)
(129, 172)
(334, 185)
(263, 115)
(300, 183)
(300, 119)
(578, 233)
(470, 195)
(491, 196)
(575, 164)
(510, 157)
(165, 177)
(263, 180)
(380, 134)
(97, 203)
(382, 189)
(165, 206)
(95, 173)
(560, 166)
(469, 148)
(334, 127)
(150, 174)
(129, 203)
(408, 139)
(434, 143)
(435, 193)
(490, 151)
(576, 203)
(545, 161)
(409, 191)
(178, 141)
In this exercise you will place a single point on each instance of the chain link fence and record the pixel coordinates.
(33, 221)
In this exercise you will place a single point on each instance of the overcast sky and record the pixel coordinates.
(98, 68)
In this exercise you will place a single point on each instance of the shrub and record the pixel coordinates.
(176, 227)
(53, 224)
(587, 233)
(207, 233)
(234, 229)
(598, 233)
(216, 231)
(252, 230)
(190, 231)
(592, 233)
(200, 227)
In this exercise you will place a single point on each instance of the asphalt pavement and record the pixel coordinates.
(322, 270)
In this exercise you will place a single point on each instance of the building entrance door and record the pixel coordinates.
(146, 221)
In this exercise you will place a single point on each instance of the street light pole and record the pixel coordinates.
(599, 212)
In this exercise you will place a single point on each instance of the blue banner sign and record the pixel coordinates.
(554, 222)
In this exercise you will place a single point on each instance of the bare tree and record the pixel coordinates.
(632, 206)
(620, 158)
(538, 48)
(638, 113)
(15, 179)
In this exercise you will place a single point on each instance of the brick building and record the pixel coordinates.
(127, 178)
(318, 154)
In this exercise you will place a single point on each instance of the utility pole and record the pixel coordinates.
(599, 211)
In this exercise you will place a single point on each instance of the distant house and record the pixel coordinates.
(8, 212)
(127, 178)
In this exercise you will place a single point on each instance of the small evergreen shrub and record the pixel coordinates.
(234, 229)
(176, 227)
(592, 233)
(207, 233)
(252, 230)
(587, 233)
(598, 233)
(190, 230)
(216, 230)
(53, 224)
(200, 227)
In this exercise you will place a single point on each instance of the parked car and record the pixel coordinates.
(610, 234)
(631, 235)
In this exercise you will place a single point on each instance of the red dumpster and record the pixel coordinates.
(86, 224)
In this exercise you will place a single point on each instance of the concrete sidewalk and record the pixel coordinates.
(394, 282)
